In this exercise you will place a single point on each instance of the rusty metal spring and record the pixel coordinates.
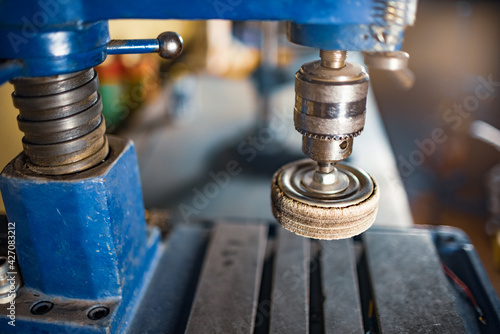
(64, 130)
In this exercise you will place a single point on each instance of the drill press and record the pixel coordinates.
(322, 198)
(85, 254)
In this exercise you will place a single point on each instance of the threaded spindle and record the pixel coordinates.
(333, 59)
(64, 130)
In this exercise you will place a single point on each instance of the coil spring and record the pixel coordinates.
(391, 15)
(64, 130)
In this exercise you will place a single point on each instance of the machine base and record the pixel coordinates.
(259, 278)
(64, 315)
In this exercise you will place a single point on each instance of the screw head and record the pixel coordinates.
(98, 312)
(41, 307)
(170, 45)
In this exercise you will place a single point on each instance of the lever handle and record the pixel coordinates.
(168, 45)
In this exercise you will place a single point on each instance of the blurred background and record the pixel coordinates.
(452, 45)
(190, 116)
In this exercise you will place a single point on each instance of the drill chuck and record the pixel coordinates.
(330, 105)
(323, 199)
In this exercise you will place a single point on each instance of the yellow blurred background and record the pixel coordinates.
(10, 136)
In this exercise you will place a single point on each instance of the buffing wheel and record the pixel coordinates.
(323, 214)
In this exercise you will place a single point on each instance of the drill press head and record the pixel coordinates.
(321, 198)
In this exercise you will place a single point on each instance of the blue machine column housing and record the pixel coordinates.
(79, 235)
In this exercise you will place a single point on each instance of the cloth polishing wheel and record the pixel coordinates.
(342, 208)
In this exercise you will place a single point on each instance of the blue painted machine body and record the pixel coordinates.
(57, 12)
(49, 37)
(82, 236)
(77, 234)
